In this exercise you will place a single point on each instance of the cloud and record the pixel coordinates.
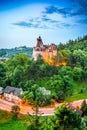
(50, 10)
(30, 25)
(23, 23)
(46, 21)
(81, 11)
(81, 7)
(27, 24)
(82, 21)
(45, 18)
(66, 25)
(53, 9)
(65, 12)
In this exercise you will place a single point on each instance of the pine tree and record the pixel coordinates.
(66, 118)
(84, 108)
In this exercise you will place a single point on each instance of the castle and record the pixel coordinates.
(46, 52)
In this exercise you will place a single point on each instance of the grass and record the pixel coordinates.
(12, 125)
(79, 92)
(7, 123)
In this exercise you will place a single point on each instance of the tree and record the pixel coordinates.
(84, 108)
(17, 75)
(85, 120)
(15, 111)
(2, 73)
(77, 73)
(61, 85)
(66, 55)
(16, 69)
(80, 56)
(21, 59)
(67, 119)
(34, 122)
(65, 71)
(60, 96)
(37, 93)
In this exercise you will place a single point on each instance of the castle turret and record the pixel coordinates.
(39, 42)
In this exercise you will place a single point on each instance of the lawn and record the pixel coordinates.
(7, 123)
(12, 125)
(79, 92)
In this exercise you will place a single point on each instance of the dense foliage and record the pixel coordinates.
(43, 83)
(23, 72)
(64, 118)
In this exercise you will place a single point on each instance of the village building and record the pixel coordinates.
(46, 52)
(3, 59)
(1, 90)
(13, 94)
(44, 91)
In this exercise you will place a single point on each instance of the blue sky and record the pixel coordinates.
(22, 21)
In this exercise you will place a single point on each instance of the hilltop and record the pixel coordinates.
(10, 53)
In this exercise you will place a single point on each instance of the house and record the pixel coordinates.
(1, 90)
(13, 94)
(3, 58)
(44, 91)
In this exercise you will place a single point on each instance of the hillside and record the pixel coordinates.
(71, 53)
(47, 84)
(80, 43)
(9, 53)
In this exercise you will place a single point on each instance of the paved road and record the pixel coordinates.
(5, 105)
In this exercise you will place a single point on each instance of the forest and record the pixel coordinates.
(62, 81)
(44, 84)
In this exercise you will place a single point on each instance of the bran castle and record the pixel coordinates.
(46, 52)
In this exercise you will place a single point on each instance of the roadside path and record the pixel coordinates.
(5, 105)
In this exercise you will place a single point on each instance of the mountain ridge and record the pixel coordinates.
(10, 53)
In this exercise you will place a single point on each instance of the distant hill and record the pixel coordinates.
(9, 53)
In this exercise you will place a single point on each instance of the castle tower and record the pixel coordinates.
(39, 42)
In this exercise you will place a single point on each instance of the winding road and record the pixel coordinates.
(5, 105)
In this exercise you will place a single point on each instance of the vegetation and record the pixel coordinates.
(65, 83)
(64, 118)
(8, 123)
(10, 53)
(84, 108)
(43, 83)
(15, 111)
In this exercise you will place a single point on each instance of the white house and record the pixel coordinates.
(13, 94)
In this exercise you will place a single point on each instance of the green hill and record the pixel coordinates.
(9, 53)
